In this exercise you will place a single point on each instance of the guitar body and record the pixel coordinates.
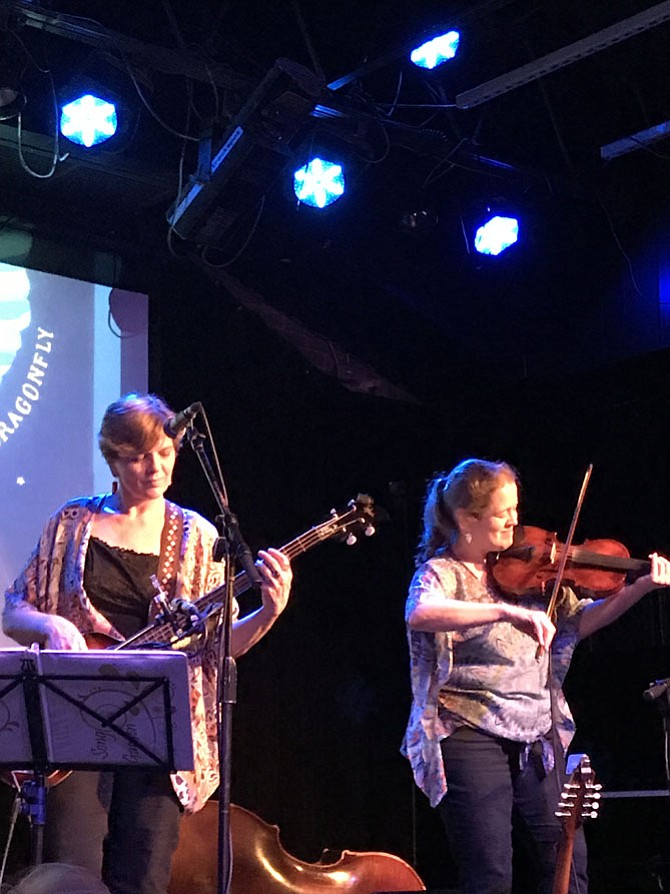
(102, 641)
(18, 778)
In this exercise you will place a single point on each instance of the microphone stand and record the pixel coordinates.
(659, 692)
(230, 547)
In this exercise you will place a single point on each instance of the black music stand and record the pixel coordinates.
(90, 711)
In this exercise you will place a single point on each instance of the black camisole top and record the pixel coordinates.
(118, 583)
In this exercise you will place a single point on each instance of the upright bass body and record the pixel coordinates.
(262, 866)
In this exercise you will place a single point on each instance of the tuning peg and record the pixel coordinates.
(351, 539)
(369, 530)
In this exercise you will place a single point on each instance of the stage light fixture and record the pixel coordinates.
(100, 101)
(496, 235)
(235, 173)
(89, 120)
(436, 51)
(319, 183)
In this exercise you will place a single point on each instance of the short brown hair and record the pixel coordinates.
(132, 425)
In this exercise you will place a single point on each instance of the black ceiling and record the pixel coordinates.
(357, 273)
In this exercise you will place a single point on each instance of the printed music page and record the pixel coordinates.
(116, 709)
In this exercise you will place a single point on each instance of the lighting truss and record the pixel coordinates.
(636, 141)
(581, 49)
(88, 32)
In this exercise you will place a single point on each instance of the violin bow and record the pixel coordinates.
(551, 607)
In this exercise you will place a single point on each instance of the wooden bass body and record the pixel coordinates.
(262, 866)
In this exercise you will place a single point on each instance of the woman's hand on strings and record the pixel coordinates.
(276, 576)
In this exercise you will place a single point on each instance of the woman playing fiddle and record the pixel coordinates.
(489, 724)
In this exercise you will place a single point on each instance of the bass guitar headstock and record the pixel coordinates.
(348, 525)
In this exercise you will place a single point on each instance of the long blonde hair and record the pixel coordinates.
(468, 486)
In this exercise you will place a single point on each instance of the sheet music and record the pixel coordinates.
(14, 737)
(103, 709)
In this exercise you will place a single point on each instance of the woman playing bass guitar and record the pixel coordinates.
(489, 724)
(91, 573)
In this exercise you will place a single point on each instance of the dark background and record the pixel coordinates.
(346, 353)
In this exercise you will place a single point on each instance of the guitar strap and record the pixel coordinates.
(171, 548)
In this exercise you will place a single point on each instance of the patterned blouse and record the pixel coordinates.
(487, 677)
(52, 582)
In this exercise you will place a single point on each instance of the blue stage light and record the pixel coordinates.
(319, 183)
(88, 120)
(496, 235)
(436, 51)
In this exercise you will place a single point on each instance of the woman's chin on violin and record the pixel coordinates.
(489, 530)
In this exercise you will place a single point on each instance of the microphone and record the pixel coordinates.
(656, 690)
(176, 424)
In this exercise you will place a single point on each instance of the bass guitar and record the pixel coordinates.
(175, 628)
(173, 632)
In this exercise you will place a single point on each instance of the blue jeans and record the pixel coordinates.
(486, 789)
(123, 826)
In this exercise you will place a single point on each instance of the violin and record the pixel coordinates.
(534, 558)
(262, 866)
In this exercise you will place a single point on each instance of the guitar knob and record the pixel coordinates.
(351, 539)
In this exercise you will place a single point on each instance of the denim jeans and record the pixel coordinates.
(122, 825)
(486, 789)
